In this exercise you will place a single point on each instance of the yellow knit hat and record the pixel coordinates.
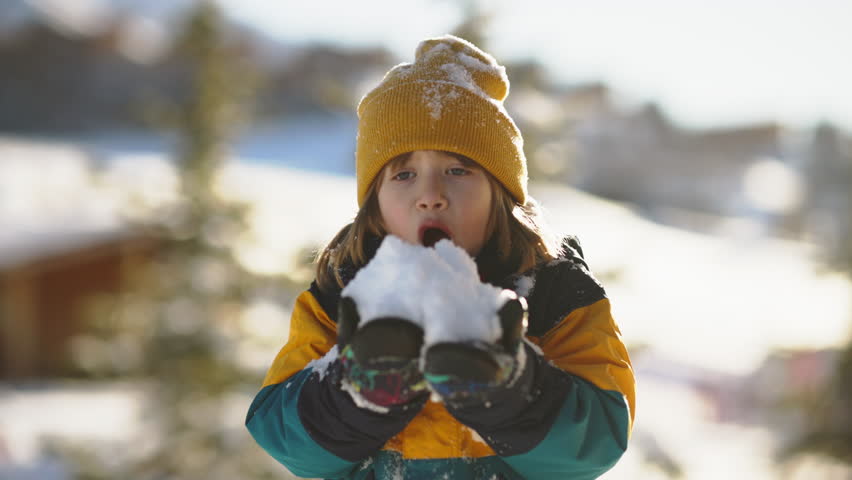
(450, 99)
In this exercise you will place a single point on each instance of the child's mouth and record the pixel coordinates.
(431, 235)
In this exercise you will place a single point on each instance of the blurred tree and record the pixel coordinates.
(828, 430)
(828, 173)
(180, 332)
(474, 23)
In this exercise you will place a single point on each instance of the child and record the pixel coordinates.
(552, 396)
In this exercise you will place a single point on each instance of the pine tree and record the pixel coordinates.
(474, 23)
(828, 432)
(184, 309)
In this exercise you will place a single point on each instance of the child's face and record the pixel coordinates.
(434, 195)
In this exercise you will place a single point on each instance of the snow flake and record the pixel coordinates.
(432, 99)
(518, 142)
(365, 464)
(320, 365)
(458, 75)
(520, 362)
(475, 435)
(403, 70)
(436, 49)
(524, 285)
(535, 347)
(477, 64)
(436, 96)
(396, 467)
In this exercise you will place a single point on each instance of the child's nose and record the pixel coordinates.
(433, 196)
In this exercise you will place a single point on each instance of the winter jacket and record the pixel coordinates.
(575, 424)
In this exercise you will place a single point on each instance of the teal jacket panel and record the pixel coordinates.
(273, 421)
(589, 436)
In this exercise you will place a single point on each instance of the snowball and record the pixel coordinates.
(437, 288)
(391, 284)
(459, 306)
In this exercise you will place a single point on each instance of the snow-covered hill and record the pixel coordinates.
(716, 302)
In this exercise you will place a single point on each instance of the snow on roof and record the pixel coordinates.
(53, 200)
(49, 202)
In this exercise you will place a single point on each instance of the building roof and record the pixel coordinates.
(50, 203)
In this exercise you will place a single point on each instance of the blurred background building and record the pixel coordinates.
(156, 159)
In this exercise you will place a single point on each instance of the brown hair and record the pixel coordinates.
(517, 238)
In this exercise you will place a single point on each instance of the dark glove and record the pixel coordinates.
(380, 358)
(468, 374)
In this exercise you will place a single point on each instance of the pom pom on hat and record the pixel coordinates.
(449, 99)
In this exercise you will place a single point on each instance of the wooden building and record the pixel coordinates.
(43, 296)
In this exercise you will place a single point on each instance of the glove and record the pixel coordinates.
(474, 373)
(380, 359)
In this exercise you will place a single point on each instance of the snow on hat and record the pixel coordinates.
(450, 99)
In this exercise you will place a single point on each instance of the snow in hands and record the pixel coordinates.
(436, 288)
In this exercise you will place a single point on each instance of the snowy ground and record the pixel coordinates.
(84, 412)
(670, 416)
(720, 304)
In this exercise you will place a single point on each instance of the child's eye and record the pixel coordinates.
(458, 171)
(403, 176)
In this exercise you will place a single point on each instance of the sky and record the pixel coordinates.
(706, 63)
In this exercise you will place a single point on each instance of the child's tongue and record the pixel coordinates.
(431, 236)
